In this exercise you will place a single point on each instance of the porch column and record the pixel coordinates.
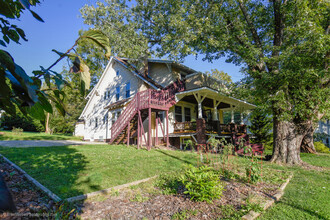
(242, 122)
(232, 115)
(199, 98)
(200, 115)
(215, 110)
(221, 116)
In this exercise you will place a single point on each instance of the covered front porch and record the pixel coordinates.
(206, 115)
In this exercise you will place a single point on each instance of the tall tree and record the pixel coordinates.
(282, 45)
(74, 102)
(225, 83)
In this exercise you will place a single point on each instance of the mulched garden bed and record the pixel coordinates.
(29, 200)
(139, 204)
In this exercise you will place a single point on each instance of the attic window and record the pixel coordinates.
(128, 89)
(117, 73)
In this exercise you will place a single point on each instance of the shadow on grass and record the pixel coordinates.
(313, 213)
(60, 169)
(175, 157)
(7, 136)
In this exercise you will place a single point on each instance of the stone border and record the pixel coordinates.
(268, 202)
(75, 198)
(107, 191)
(52, 195)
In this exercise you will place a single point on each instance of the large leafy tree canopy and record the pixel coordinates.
(283, 47)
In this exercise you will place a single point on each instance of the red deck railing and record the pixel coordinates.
(162, 99)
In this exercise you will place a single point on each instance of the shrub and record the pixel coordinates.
(17, 131)
(169, 183)
(202, 184)
(253, 172)
(320, 147)
(27, 123)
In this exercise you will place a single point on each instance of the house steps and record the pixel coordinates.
(141, 102)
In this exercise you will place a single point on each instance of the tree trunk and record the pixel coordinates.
(47, 130)
(287, 140)
(307, 144)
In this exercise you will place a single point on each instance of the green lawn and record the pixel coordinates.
(308, 194)
(74, 170)
(8, 135)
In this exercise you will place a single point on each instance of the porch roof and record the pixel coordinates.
(210, 95)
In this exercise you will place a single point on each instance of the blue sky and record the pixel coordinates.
(60, 30)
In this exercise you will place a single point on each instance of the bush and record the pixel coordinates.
(253, 172)
(17, 131)
(202, 184)
(320, 147)
(169, 183)
(27, 123)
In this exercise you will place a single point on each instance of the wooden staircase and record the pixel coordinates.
(148, 99)
(122, 137)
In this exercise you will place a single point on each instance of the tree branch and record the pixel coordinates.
(251, 26)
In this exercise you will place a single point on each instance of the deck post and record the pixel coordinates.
(128, 130)
(149, 128)
(139, 131)
(156, 140)
(167, 138)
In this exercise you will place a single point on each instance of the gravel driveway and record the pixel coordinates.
(44, 143)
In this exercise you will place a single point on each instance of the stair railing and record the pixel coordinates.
(143, 100)
(124, 118)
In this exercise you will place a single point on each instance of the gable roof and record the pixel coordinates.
(130, 69)
(143, 77)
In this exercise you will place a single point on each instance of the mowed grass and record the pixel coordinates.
(308, 194)
(74, 170)
(8, 135)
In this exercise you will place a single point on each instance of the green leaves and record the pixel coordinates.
(79, 67)
(202, 184)
(100, 39)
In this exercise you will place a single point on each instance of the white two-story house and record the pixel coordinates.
(167, 103)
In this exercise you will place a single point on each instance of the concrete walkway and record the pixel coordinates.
(44, 143)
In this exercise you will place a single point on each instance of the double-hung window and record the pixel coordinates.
(187, 114)
(178, 113)
(128, 89)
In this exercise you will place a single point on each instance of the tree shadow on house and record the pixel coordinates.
(60, 169)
